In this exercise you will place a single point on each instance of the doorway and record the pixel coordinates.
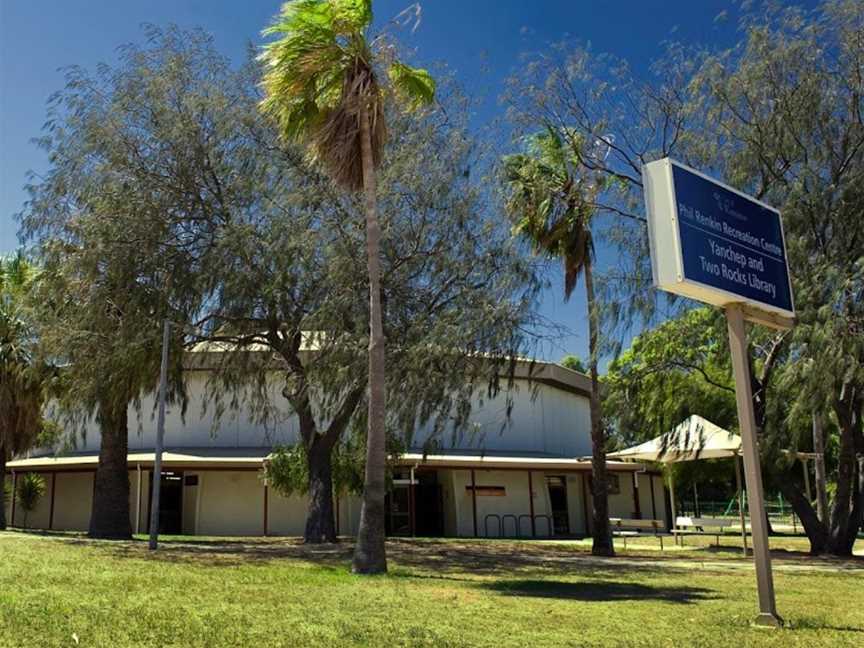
(398, 506)
(429, 505)
(170, 503)
(557, 487)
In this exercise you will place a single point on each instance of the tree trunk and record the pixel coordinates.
(819, 469)
(3, 477)
(602, 535)
(814, 528)
(320, 524)
(843, 524)
(370, 553)
(110, 517)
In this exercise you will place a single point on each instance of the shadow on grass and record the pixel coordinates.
(599, 591)
(417, 558)
(810, 623)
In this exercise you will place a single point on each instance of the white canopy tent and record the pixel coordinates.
(693, 439)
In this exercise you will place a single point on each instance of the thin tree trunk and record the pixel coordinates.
(819, 469)
(602, 538)
(857, 515)
(3, 477)
(110, 517)
(320, 523)
(842, 522)
(370, 554)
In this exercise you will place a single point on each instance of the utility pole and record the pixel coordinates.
(160, 440)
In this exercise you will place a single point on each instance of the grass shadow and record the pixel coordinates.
(599, 591)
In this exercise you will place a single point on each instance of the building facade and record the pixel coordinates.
(528, 475)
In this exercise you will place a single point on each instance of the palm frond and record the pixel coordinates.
(549, 203)
(320, 74)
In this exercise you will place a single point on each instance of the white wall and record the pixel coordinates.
(196, 429)
(551, 421)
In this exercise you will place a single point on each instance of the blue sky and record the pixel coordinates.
(479, 39)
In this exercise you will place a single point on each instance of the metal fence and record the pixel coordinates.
(780, 514)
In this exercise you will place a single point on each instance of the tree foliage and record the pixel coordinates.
(26, 382)
(139, 155)
(30, 489)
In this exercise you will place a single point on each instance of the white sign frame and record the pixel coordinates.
(664, 237)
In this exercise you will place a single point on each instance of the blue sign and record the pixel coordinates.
(729, 241)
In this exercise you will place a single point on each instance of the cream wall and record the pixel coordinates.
(8, 505)
(646, 483)
(74, 501)
(576, 504)
(286, 515)
(459, 520)
(231, 503)
(349, 514)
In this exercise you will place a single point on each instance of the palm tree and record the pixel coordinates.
(325, 86)
(22, 381)
(550, 203)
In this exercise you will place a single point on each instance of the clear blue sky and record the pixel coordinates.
(479, 39)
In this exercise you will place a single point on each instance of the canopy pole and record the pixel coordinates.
(806, 480)
(674, 525)
(737, 460)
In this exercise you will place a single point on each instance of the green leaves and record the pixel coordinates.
(351, 15)
(415, 85)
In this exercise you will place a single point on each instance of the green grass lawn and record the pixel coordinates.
(57, 590)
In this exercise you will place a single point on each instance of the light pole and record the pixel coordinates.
(160, 439)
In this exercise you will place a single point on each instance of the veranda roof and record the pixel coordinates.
(692, 439)
(245, 458)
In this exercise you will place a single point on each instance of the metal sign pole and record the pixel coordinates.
(752, 473)
(160, 439)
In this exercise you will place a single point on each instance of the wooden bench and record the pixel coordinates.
(625, 528)
(698, 526)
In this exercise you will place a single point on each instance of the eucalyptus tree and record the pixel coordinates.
(24, 378)
(326, 84)
(550, 203)
(143, 165)
(778, 115)
(784, 121)
(290, 312)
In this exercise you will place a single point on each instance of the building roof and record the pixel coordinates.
(204, 356)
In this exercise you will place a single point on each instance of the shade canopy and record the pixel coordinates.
(692, 439)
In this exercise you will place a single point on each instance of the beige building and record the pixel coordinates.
(525, 476)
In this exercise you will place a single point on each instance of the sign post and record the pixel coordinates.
(752, 473)
(715, 244)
